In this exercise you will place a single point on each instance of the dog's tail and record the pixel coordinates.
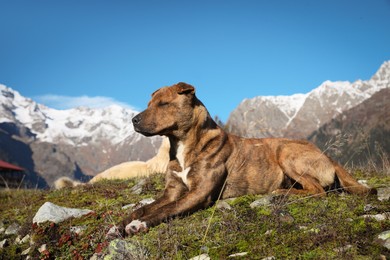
(349, 184)
(65, 182)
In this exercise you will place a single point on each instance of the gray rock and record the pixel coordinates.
(128, 206)
(223, 205)
(137, 189)
(2, 228)
(53, 213)
(78, 229)
(42, 248)
(264, 201)
(25, 239)
(3, 243)
(384, 239)
(143, 203)
(12, 229)
(26, 252)
(369, 207)
(379, 217)
(285, 217)
(384, 193)
(201, 257)
(121, 249)
(342, 249)
(238, 254)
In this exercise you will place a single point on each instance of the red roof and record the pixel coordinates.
(8, 166)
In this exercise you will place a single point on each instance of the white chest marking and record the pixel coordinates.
(180, 157)
(183, 174)
(180, 154)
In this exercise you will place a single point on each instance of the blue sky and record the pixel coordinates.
(69, 53)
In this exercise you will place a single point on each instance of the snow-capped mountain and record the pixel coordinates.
(300, 114)
(77, 127)
(82, 140)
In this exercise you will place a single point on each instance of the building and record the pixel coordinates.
(11, 176)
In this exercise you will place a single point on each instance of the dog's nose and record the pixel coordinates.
(136, 120)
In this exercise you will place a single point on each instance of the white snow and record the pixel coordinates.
(72, 126)
(328, 93)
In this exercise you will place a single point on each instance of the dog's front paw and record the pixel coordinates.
(136, 226)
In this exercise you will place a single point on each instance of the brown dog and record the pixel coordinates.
(205, 162)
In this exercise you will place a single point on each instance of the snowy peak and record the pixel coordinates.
(300, 114)
(76, 126)
(51, 143)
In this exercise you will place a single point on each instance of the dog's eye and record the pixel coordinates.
(161, 104)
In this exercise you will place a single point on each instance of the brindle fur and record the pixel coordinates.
(203, 157)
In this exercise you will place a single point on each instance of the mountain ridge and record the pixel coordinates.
(298, 115)
(76, 143)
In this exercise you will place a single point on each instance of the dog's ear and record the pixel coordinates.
(184, 88)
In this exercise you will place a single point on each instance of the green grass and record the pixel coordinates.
(315, 227)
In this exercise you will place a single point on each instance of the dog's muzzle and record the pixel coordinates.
(136, 120)
(137, 123)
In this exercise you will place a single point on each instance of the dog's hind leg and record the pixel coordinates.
(310, 186)
(349, 183)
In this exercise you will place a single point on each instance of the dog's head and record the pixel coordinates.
(169, 112)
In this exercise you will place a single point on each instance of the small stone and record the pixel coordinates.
(201, 257)
(384, 239)
(128, 206)
(204, 249)
(137, 189)
(238, 254)
(285, 217)
(25, 239)
(42, 248)
(78, 229)
(384, 235)
(4, 243)
(25, 252)
(342, 249)
(53, 213)
(13, 229)
(95, 256)
(143, 203)
(314, 230)
(121, 249)
(2, 228)
(384, 194)
(17, 240)
(146, 201)
(369, 207)
(223, 205)
(378, 217)
(264, 201)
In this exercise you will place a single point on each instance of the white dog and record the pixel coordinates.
(157, 164)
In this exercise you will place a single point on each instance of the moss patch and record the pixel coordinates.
(317, 228)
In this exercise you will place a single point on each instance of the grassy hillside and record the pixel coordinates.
(288, 228)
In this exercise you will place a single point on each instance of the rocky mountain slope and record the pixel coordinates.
(299, 115)
(361, 135)
(74, 143)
